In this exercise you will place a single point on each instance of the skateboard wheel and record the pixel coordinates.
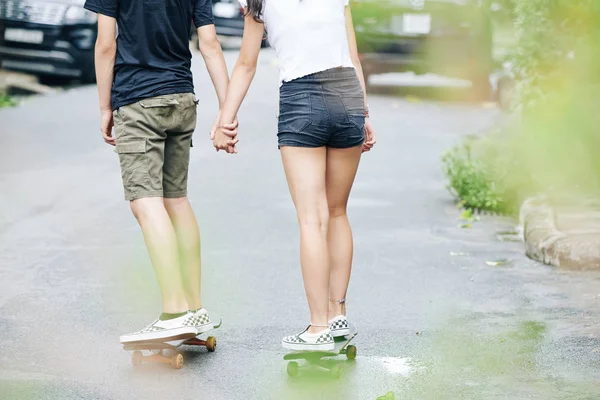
(335, 372)
(211, 343)
(136, 358)
(292, 368)
(351, 352)
(177, 361)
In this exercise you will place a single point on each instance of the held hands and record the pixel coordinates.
(370, 138)
(224, 136)
(106, 126)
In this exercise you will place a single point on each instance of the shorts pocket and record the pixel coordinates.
(359, 123)
(355, 105)
(295, 113)
(134, 164)
(158, 102)
(159, 106)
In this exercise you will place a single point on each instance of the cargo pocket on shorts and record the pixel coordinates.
(134, 166)
(295, 113)
(161, 106)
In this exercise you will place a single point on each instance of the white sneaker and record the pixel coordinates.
(305, 341)
(339, 326)
(202, 321)
(164, 331)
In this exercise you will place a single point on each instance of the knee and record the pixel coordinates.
(337, 210)
(173, 204)
(143, 208)
(315, 220)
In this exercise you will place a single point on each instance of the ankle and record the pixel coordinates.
(195, 306)
(335, 311)
(317, 328)
(175, 306)
(336, 307)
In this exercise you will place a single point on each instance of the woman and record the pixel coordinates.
(322, 126)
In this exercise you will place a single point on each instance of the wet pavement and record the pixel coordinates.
(438, 317)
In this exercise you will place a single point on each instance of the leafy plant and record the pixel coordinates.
(6, 101)
(552, 141)
(470, 180)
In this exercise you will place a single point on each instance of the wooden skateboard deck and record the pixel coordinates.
(166, 352)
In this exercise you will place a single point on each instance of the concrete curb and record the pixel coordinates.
(566, 236)
(28, 83)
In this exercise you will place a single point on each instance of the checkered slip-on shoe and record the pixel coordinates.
(173, 329)
(339, 326)
(322, 341)
(202, 321)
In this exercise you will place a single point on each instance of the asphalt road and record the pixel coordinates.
(436, 321)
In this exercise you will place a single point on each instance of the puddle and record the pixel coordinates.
(397, 366)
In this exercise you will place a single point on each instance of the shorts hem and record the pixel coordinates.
(175, 195)
(288, 144)
(346, 145)
(143, 195)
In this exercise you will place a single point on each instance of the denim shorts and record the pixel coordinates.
(322, 109)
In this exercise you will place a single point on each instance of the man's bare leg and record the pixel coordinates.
(161, 241)
(188, 241)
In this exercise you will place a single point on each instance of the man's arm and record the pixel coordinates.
(106, 50)
(211, 51)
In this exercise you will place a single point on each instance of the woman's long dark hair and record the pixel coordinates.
(255, 8)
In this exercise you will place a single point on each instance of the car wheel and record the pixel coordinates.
(51, 80)
(88, 69)
(89, 76)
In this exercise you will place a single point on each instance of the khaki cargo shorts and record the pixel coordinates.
(153, 140)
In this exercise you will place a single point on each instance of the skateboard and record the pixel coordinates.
(320, 359)
(166, 352)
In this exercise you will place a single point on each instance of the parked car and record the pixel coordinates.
(448, 37)
(229, 19)
(48, 38)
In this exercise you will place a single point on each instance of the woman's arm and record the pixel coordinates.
(369, 132)
(354, 52)
(241, 77)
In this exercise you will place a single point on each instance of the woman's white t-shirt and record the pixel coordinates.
(308, 35)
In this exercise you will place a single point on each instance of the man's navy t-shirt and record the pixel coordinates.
(153, 54)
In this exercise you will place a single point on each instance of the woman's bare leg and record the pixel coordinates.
(305, 172)
(342, 165)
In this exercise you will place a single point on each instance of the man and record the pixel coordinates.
(145, 86)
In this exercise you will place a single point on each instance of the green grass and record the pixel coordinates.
(6, 101)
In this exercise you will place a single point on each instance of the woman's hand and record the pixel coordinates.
(229, 130)
(370, 138)
(225, 141)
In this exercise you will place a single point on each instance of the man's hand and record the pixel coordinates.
(224, 141)
(370, 138)
(228, 129)
(106, 126)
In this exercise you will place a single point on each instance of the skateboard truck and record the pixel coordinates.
(166, 352)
